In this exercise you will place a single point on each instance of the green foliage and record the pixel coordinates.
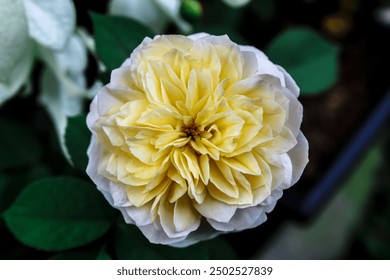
(374, 233)
(58, 214)
(218, 13)
(103, 254)
(11, 184)
(19, 145)
(309, 58)
(76, 255)
(131, 244)
(77, 138)
(265, 10)
(116, 37)
(191, 8)
(83, 254)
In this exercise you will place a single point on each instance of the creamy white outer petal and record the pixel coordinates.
(93, 115)
(119, 195)
(115, 194)
(213, 209)
(14, 39)
(264, 65)
(105, 100)
(172, 233)
(197, 36)
(158, 236)
(243, 219)
(295, 113)
(101, 182)
(254, 50)
(290, 83)
(139, 215)
(120, 75)
(300, 157)
(204, 232)
(218, 40)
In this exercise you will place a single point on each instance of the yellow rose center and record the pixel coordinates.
(191, 130)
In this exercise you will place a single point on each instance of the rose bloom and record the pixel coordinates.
(195, 136)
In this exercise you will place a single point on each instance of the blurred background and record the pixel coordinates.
(336, 50)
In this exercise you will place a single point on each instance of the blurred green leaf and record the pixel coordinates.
(220, 249)
(191, 8)
(19, 145)
(75, 255)
(131, 245)
(218, 13)
(103, 254)
(116, 38)
(58, 213)
(83, 254)
(309, 58)
(77, 138)
(4, 195)
(12, 183)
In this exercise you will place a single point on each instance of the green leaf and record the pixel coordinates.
(83, 254)
(77, 138)
(192, 8)
(116, 38)
(11, 184)
(75, 255)
(220, 249)
(19, 145)
(103, 254)
(217, 12)
(58, 214)
(4, 197)
(130, 244)
(309, 58)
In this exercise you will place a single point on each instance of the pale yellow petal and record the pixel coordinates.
(184, 215)
(245, 163)
(221, 183)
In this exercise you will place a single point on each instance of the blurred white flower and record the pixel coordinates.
(156, 14)
(63, 84)
(23, 23)
(196, 136)
(236, 3)
(45, 30)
